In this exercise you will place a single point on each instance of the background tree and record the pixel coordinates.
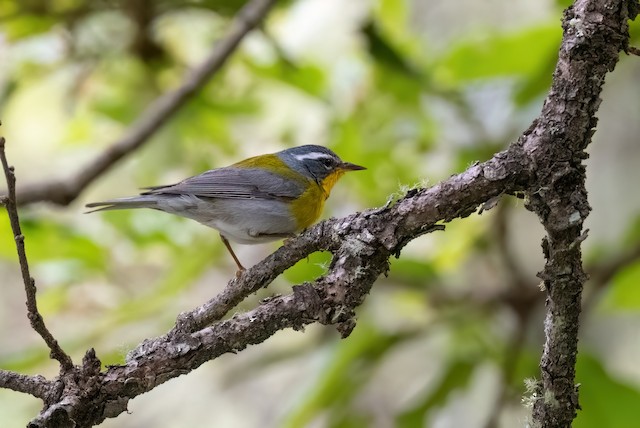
(458, 321)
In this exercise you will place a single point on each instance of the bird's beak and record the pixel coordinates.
(348, 166)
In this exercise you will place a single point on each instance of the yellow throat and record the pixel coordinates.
(308, 207)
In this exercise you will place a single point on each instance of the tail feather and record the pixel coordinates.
(142, 201)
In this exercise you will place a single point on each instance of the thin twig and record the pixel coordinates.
(29, 284)
(633, 50)
(544, 161)
(252, 280)
(64, 191)
(37, 386)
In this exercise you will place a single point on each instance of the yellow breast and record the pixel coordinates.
(308, 207)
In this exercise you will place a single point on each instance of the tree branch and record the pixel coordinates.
(37, 386)
(65, 191)
(595, 32)
(361, 245)
(545, 163)
(37, 323)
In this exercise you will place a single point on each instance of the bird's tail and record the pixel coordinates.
(142, 201)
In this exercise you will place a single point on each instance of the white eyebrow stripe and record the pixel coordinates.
(313, 155)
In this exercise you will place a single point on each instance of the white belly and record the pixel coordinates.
(245, 221)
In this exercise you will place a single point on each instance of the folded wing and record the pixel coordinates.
(235, 183)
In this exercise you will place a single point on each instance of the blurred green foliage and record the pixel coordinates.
(611, 402)
(377, 89)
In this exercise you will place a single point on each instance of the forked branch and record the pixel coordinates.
(544, 164)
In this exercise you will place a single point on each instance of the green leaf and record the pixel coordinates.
(527, 366)
(383, 51)
(27, 360)
(413, 272)
(538, 82)
(308, 269)
(393, 14)
(227, 8)
(605, 401)
(456, 375)
(632, 234)
(47, 240)
(501, 55)
(624, 293)
(115, 81)
(348, 369)
(305, 77)
(564, 3)
(27, 25)
(634, 31)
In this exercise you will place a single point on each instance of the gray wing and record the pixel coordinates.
(234, 183)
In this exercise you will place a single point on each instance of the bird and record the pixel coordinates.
(260, 199)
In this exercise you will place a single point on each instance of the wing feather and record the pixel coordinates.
(234, 183)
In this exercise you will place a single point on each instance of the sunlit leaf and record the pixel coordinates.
(306, 77)
(393, 13)
(634, 31)
(49, 240)
(27, 25)
(501, 55)
(564, 3)
(308, 269)
(223, 7)
(624, 293)
(537, 83)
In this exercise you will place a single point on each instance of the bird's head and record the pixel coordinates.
(317, 163)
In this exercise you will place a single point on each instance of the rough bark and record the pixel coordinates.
(595, 32)
(544, 165)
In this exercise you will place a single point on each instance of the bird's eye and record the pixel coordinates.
(326, 162)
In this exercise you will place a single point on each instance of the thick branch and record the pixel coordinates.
(361, 244)
(37, 323)
(546, 163)
(65, 191)
(37, 386)
(595, 32)
(458, 196)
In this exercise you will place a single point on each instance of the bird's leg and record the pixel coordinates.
(235, 259)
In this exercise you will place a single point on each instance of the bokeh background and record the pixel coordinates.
(414, 89)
